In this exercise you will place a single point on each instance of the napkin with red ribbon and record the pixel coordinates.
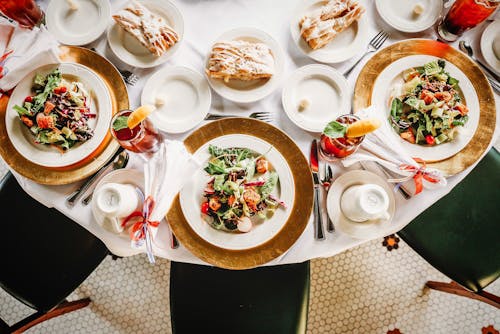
(22, 50)
(164, 175)
(383, 147)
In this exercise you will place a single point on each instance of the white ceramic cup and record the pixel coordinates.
(116, 201)
(361, 203)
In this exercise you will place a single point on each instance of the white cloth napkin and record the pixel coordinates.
(22, 50)
(164, 175)
(382, 147)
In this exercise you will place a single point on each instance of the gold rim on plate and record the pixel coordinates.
(487, 111)
(68, 174)
(300, 212)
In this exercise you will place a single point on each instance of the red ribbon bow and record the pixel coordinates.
(419, 173)
(137, 230)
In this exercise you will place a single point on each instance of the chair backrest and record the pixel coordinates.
(44, 255)
(269, 299)
(459, 235)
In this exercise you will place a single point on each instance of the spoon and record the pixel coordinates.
(465, 47)
(120, 161)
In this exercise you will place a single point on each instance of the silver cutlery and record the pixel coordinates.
(490, 75)
(373, 46)
(83, 188)
(401, 188)
(260, 115)
(319, 234)
(120, 161)
(327, 182)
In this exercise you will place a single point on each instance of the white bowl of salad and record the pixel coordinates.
(242, 195)
(431, 106)
(58, 114)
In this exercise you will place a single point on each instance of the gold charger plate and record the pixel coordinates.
(300, 211)
(487, 117)
(83, 169)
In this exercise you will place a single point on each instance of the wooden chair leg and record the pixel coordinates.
(38, 317)
(457, 289)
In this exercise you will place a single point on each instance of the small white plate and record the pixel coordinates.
(345, 45)
(366, 230)
(191, 195)
(80, 26)
(45, 155)
(254, 90)
(490, 36)
(326, 92)
(123, 176)
(186, 96)
(399, 14)
(391, 79)
(132, 52)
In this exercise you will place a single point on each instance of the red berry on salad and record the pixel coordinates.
(430, 140)
(204, 208)
(28, 99)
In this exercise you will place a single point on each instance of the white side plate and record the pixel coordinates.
(45, 155)
(131, 51)
(191, 196)
(185, 94)
(399, 14)
(491, 35)
(326, 92)
(344, 46)
(392, 77)
(80, 26)
(249, 91)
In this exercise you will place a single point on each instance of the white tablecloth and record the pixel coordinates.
(204, 21)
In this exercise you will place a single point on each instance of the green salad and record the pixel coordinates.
(240, 191)
(57, 111)
(429, 109)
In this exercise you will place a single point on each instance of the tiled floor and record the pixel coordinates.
(369, 289)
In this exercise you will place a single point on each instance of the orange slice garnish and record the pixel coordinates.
(362, 127)
(138, 115)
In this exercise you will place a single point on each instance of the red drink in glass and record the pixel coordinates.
(464, 15)
(332, 149)
(25, 12)
(144, 138)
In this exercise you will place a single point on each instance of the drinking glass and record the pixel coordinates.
(464, 15)
(25, 12)
(145, 138)
(332, 149)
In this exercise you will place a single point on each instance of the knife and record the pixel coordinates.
(319, 233)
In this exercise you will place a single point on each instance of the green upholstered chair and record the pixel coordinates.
(44, 256)
(268, 299)
(460, 234)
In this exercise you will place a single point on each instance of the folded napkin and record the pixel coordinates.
(164, 175)
(23, 50)
(383, 147)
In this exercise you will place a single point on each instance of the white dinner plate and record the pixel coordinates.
(191, 196)
(490, 39)
(249, 91)
(350, 42)
(399, 14)
(325, 92)
(132, 52)
(122, 176)
(366, 230)
(182, 98)
(45, 155)
(391, 78)
(80, 26)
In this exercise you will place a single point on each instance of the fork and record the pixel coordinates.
(260, 115)
(327, 182)
(373, 46)
(129, 77)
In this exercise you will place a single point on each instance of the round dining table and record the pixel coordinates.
(204, 21)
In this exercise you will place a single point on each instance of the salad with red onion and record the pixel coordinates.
(241, 190)
(57, 111)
